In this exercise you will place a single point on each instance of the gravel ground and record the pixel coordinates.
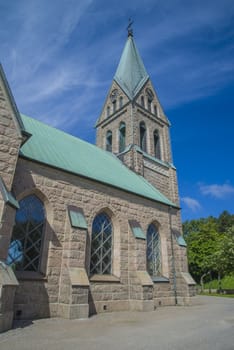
(207, 324)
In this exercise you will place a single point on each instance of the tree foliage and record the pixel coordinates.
(210, 244)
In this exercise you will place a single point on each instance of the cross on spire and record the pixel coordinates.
(129, 27)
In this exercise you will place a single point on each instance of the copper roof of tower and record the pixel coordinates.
(131, 74)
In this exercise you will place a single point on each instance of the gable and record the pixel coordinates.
(10, 108)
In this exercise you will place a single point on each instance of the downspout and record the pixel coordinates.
(173, 259)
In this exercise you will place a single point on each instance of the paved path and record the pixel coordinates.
(208, 324)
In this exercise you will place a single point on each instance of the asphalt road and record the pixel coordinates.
(208, 324)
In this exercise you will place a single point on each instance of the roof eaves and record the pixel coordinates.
(167, 202)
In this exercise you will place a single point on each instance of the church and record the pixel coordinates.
(87, 229)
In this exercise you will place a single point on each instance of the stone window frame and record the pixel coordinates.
(115, 274)
(47, 234)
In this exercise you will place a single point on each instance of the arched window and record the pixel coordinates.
(101, 245)
(157, 152)
(108, 111)
(142, 101)
(121, 102)
(156, 110)
(109, 141)
(153, 255)
(143, 136)
(122, 134)
(27, 237)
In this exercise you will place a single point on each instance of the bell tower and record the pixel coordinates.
(133, 126)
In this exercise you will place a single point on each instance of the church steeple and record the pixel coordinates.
(131, 74)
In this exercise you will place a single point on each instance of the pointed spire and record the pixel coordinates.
(131, 74)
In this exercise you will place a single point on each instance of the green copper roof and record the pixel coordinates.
(58, 149)
(131, 74)
(136, 229)
(77, 218)
(7, 196)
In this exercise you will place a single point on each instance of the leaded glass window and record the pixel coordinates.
(101, 245)
(157, 152)
(122, 134)
(143, 136)
(109, 141)
(25, 247)
(154, 265)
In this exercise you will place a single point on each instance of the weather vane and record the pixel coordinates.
(129, 27)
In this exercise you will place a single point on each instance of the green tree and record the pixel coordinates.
(210, 246)
(201, 246)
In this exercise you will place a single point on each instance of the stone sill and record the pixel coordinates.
(30, 275)
(160, 279)
(104, 278)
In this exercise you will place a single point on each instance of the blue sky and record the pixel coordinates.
(60, 58)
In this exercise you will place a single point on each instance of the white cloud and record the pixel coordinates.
(191, 203)
(217, 191)
(50, 48)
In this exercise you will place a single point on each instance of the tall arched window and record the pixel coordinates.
(153, 255)
(26, 244)
(121, 102)
(157, 151)
(142, 101)
(109, 141)
(143, 136)
(156, 110)
(122, 137)
(101, 245)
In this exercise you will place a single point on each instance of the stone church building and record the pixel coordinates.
(85, 228)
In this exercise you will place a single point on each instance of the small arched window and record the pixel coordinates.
(109, 141)
(156, 110)
(108, 111)
(143, 101)
(153, 255)
(101, 245)
(114, 106)
(27, 237)
(149, 104)
(143, 136)
(122, 137)
(157, 151)
(121, 102)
